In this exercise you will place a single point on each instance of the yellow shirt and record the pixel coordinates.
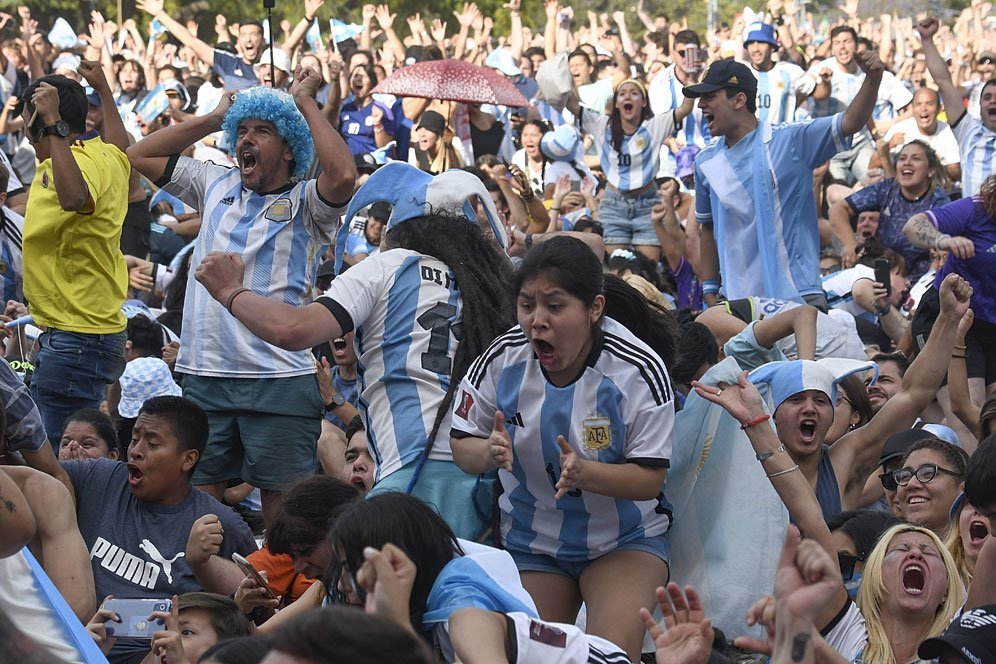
(75, 278)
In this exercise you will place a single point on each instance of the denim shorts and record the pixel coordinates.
(263, 431)
(657, 545)
(72, 371)
(626, 219)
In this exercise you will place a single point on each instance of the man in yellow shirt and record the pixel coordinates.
(75, 277)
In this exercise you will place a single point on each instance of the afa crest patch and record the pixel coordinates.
(597, 432)
(281, 210)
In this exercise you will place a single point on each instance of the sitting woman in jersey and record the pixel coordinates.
(396, 557)
(422, 311)
(876, 307)
(918, 185)
(365, 124)
(576, 411)
(628, 141)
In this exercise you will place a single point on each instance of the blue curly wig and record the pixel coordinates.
(277, 107)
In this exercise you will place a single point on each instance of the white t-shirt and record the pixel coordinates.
(942, 140)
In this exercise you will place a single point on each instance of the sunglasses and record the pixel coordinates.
(924, 474)
(846, 561)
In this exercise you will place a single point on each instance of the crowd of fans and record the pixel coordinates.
(297, 370)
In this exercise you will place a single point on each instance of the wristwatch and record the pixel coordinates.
(60, 129)
(337, 401)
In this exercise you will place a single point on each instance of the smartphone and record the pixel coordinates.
(575, 185)
(134, 614)
(883, 275)
(249, 570)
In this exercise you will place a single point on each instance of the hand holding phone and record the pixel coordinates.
(252, 573)
(135, 617)
(883, 275)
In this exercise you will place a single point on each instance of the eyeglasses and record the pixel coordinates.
(846, 561)
(924, 474)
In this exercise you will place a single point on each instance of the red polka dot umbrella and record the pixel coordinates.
(453, 80)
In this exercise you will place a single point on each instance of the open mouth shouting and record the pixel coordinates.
(247, 161)
(135, 474)
(807, 430)
(545, 352)
(978, 532)
(914, 579)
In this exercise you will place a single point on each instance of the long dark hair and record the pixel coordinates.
(481, 273)
(615, 118)
(392, 518)
(572, 265)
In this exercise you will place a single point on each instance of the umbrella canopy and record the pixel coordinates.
(453, 80)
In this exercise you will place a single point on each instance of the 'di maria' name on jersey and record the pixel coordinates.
(437, 276)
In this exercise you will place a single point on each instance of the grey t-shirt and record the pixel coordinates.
(137, 549)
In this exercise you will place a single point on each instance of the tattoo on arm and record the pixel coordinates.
(8, 505)
(924, 232)
(800, 643)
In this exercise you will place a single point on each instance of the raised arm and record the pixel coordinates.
(666, 226)
(114, 131)
(386, 20)
(841, 214)
(273, 321)
(961, 400)
(515, 33)
(151, 154)
(859, 112)
(951, 95)
(338, 177)
(155, 9)
(856, 454)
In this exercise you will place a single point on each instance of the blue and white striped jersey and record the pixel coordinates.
(758, 196)
(406, 310)
(620, 410)
(280, 237)
(893, 96)
(11, 267)
(665, 93)
(977, 146)
(778, 90)
(635, 165)
(839, 287)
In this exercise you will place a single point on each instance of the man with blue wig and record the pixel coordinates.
(263, 402)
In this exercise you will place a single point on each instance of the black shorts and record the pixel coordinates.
(980, 343)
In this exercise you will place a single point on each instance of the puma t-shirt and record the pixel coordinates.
(137, 549)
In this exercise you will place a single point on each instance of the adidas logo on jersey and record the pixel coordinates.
(515, 421)
(228, 200)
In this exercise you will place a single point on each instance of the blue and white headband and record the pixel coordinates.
(414, 193)
(786, 378)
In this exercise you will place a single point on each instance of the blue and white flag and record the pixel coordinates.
(62, 34)
(153, 104)
(156, 29)
(343, 31)
(314, 36)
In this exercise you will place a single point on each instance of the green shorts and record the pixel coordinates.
(459, 498)
(264, 431)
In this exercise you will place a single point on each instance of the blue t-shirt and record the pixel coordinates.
(356, 127)
(968, 218)
(895, 210)
(236, 74)
(357, 244)
(138, 549)
(758, 196)
(347, 388)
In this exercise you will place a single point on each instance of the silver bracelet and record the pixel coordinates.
(783, 472)
(941, 238)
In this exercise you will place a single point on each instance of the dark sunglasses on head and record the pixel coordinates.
(847, 561)
(902, 476)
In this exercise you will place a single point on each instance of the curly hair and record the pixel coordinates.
(278, 108)
(481, 272)
(987, 193)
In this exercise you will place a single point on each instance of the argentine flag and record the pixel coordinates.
(343, 31)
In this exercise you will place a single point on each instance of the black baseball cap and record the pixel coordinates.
(898, 443)
(972, 636)
(724, 74)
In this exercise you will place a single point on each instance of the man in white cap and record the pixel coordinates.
(274, 69)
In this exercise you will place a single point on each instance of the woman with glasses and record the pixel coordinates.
(928, 483)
